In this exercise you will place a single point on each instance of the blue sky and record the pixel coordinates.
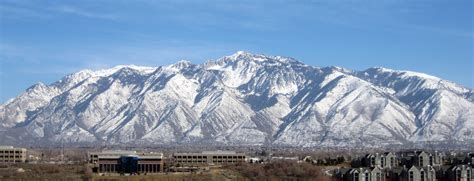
(42, 41)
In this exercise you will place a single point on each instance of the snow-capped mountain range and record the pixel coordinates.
(242, 99)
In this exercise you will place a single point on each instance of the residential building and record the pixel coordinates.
(421, 159)
(435, 159)
(361, 174)
(385, 160)
(371, 160)
(377, 174)
(414, 173)
(342, 174)
(469, 159)
(397, 174)
(459, 173)
(358, 174)
(389, 160)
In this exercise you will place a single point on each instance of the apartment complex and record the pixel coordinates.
(126, 162)
(409, 166)
(10, 154)
(208, 158)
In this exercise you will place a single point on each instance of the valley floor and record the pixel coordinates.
(52, 172)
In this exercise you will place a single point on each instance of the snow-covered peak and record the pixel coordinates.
(239, 54)
(407, 82)
(242, 58)
(339, 69)
(182, 64)
(36, 86)
(35, 89)
(86, 73)
(242, 55)
(243, 98)
(108, 72)
(403, 73)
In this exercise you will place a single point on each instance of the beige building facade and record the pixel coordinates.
(10, 154)
(208, 158)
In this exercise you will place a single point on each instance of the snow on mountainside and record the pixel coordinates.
(444, 110)
(242, 99)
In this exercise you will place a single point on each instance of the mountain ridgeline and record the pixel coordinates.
(242, 99)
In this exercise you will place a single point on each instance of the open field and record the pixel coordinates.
(41, 172)
(74, 172)
(214, 174)
(48, 172)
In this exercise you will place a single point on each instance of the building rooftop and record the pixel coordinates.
(11, 148)
(218, 152)
(125, 152)
(117, 153)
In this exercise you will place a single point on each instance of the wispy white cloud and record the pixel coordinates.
(85, 13)
(387, 15)
(16, 12)
(250, 15)
(30, 10)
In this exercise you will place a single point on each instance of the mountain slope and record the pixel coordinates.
(444, 110)
(242, 99)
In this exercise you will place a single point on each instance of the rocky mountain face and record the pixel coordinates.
(242, 99)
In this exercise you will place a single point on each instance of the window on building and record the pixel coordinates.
(472, 174)
(366, 176)
(392, 161)
(431, 160)
(421, 161)
(469, 174)
(356, 176)
(378, 177)
(372, 161)
(458, 175)
(422, 176)
(411, 176)
(382, 162)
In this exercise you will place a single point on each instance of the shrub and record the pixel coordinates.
(278, 169)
